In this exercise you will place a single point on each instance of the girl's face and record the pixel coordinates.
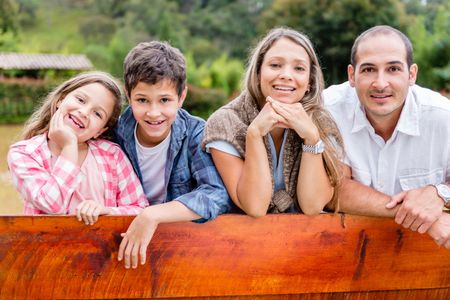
(86, 110)
(285, 71)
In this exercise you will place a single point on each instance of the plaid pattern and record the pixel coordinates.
(190, 176)
(48, 190)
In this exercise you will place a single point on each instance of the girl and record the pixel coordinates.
(63, 167)
(274, 145)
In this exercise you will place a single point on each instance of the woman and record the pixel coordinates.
(274, 145)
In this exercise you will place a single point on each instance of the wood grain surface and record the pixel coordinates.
(233, 257)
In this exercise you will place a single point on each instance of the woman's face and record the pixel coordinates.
(285, 71)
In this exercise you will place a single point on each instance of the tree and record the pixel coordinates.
(8, 14)
(432, 48)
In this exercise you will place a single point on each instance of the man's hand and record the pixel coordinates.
(419, 208)
(440, 231)
(135, 241)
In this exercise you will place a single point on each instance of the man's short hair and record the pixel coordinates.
(153, 62)
(385, 30)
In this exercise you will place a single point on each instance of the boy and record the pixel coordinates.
(163, 142)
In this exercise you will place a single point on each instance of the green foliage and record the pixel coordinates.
(203, 102)
(223, 73)
(98, 29)
(226, 74)
(432, 49)
(27, 13)
(229, 25)
(17, 101)
(8, 13)
(8, 42)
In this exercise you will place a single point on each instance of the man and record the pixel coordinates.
(396, 136)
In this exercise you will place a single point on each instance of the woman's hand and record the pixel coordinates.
(297, 119)
(266, 120)
(89, 210)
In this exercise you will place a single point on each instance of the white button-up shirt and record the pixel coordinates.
(418, 152)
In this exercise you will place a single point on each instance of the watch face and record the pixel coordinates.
(320, 146)
(444, 190)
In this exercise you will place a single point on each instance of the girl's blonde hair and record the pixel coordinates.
(312, 101)
(39, 121)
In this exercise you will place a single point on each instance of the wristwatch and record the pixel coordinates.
(318, 148)
(444, 192)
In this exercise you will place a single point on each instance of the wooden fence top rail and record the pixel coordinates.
(281, 256)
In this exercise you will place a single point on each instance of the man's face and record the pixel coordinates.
(382, 77)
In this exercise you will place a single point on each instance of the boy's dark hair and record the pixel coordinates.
(152, 62)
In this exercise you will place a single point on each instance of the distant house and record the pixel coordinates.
(14, 65)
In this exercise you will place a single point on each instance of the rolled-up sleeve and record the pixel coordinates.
(209, 197)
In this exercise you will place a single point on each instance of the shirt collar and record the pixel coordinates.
(409, 118)
(37, 142)
(408, 122)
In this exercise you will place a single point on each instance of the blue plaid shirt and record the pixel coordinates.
(190, 174)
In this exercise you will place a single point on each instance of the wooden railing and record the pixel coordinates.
(234, 256)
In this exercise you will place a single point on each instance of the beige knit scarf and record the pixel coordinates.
(230, 124)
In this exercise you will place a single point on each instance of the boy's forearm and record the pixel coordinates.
(173, 211)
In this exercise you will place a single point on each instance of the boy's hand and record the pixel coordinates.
(89, 210)
(135, 241)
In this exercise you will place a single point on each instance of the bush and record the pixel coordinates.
(203, 102)
(17, 101)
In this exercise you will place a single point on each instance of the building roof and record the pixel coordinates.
(20, 61)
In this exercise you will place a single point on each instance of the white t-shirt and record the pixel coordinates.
(152, 162)
(418, 152)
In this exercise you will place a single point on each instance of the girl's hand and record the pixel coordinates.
(297, 119)
(135, 241)
(89, 210)
(266, 120)
(61, 134)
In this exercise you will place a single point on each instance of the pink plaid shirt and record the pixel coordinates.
(48, 190)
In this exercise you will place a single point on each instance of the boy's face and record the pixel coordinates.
(155, 108)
